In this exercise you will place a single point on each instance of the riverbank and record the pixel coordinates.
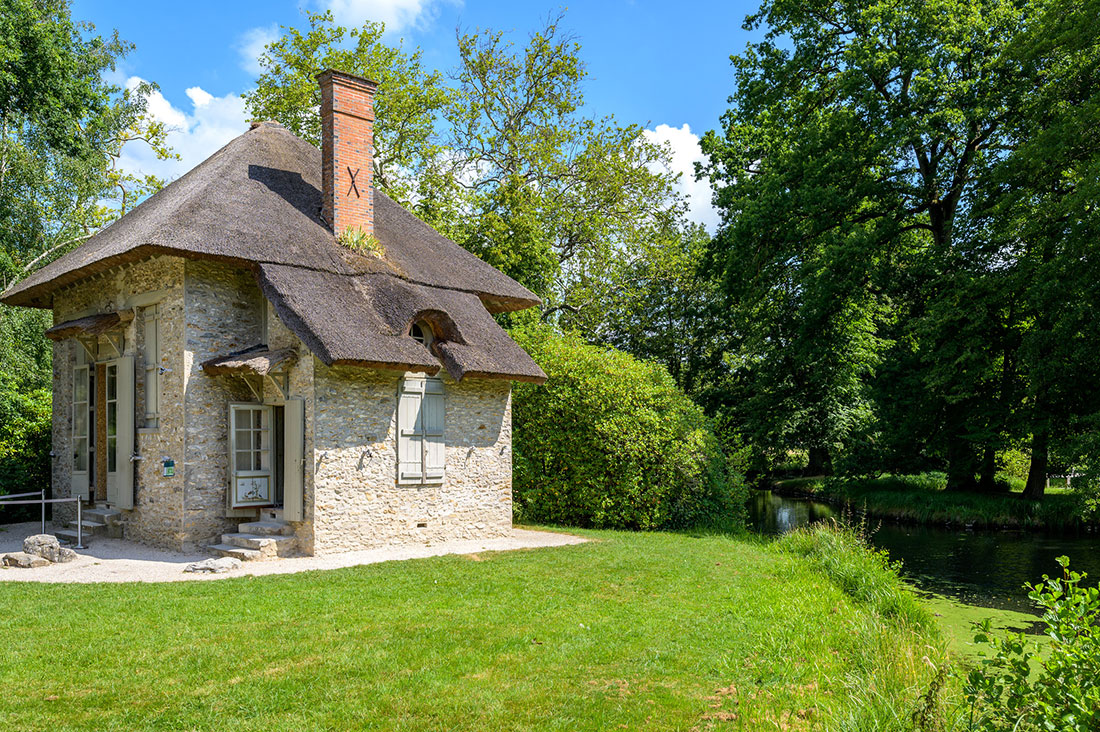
(634, 630)
(921, 499)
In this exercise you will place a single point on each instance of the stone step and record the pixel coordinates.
(91, 528)
(68, 536)
(101, 515)
(269, 546)
(228, 550)
(267, 528)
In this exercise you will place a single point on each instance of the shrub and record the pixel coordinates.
(24, 447)
(1017, 690)
(610, 442)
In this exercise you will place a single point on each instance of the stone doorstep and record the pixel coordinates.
(106, 516)
(270, 546)
(266, 528)
(228, 550)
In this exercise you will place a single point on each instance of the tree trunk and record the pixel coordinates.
(1037, 473)
(961, 465)
(820, 462)
(987, 480)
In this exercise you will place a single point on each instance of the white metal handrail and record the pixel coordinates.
(6, 501)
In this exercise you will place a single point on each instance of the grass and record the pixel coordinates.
(922, 499)
(631, 630)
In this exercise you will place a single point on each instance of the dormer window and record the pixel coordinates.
(422, 333)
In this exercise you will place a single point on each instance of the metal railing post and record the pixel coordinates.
(42, 494)
(79, 524)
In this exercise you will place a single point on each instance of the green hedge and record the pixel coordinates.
(610, 442)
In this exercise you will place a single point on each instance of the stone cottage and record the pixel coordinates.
(269, 356)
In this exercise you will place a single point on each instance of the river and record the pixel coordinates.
(978, 568)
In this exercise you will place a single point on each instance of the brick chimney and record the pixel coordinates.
(347, 129)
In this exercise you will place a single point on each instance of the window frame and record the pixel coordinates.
(256, 452)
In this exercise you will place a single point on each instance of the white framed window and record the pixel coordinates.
(421, 414)
(250, 447)
(152, 356)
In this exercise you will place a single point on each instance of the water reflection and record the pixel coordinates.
(984, 568)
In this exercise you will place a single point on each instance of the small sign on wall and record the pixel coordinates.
(169, 467)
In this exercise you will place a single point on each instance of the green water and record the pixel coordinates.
(977, 568)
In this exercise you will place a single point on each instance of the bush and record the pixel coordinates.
(25, 437)
(610, 442)
(1017, 690)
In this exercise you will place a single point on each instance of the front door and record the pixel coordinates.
(118, 445)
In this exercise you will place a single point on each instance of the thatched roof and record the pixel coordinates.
(364, 320)
(259, 360)
(256, 202)
(91, 325)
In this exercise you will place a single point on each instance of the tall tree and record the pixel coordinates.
(62, 129)
(1042, 203)
(855, 136)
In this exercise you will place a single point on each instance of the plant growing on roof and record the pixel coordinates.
(355, 238)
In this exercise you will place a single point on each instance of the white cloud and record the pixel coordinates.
(195, 134)
(398, 15)
(684, 153)
(251, 44)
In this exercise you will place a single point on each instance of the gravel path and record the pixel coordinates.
(115, 560)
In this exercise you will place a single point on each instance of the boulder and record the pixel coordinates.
(43, 545)
(213, 566)
(24, 560)
(67, 554)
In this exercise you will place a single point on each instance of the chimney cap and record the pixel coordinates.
(332, 75)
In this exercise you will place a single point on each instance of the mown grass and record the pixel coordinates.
(634, 631)
(922, 499)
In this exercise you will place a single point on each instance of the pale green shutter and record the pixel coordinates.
(120, 482)
(410, 430)
(294, 415)
(435, 457)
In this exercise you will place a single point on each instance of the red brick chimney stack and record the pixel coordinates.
(347, 130)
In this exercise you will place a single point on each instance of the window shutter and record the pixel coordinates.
(152, 366)
(123, 479)
(410, 430)
(435, 454)
(294, 415)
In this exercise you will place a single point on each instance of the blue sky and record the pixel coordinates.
(659, 64)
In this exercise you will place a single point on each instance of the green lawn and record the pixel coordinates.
(631, 631)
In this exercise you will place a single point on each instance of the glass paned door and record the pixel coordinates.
(81, 430)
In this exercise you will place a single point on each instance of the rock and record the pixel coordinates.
(25, 560)
(67, 555)
(43, 545)
(214, 566)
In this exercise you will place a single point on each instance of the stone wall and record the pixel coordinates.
(156, 517)
(224, 313)
(357, 502)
